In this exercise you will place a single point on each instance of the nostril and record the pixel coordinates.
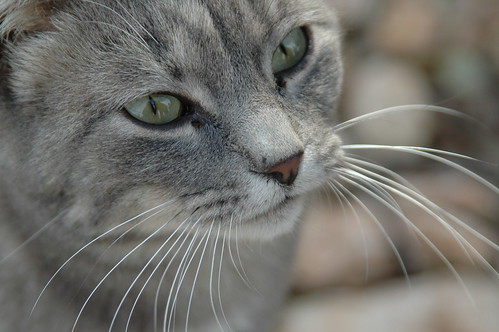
(286, 172)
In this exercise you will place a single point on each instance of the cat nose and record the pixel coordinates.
(286, 172)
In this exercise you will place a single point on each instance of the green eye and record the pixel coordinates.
(291, 51)
(155, 109)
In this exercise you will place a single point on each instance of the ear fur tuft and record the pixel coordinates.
(23, 16)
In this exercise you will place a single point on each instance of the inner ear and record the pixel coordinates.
(18, 17)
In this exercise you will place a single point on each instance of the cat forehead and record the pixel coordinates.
(204, 49)
(227, 16)
(161, 41)
(234, 22)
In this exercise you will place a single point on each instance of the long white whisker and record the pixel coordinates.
(232, 256)
(211, 277)
(399, 190)
(33, 236)
(184, 273)
(115, 267)
(437, 152)
(420, 234)
(103, 252)
(142, 271)
(246, 281)
(380, 226)
(337, 194)
(434, 206)
(95, 240)
(429, 208)
(341, 197)
(326, 189)
(196, 277)
(181, 245)
(353, 159)
(180, 236)
(403, 108)
(178, 275)
(219, 279)
(238, 253)
(417, 151)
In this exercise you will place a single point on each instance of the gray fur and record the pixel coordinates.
(71, 156)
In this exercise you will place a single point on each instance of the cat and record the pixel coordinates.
(157, 157)
(252, 138)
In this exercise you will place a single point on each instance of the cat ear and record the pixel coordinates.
(23, 16)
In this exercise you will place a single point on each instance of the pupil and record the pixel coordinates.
(283, 49)
(153, 106)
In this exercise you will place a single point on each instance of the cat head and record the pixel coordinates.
(249, 136)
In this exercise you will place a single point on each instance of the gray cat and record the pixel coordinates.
(157, 156)
(159, 131)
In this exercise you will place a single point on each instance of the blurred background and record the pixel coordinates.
(347, 276)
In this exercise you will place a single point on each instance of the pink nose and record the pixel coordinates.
(285, 172)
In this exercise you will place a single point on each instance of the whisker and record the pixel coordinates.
(103, 253)
(359, 176)
(145, 267)
(230, 251)
(219, 280)
(180, 274)
(404, 108)
(418, 194)
(245, 280)
(435, 151)
(435, 249)
(196, 276)
(380, 190)
(329, 200)
(181, 235)
(354, 159)
(240, 260)
(380, 226)
(432, 209)
(33, 236)
(417, 151)
(97, 239)
(182, 278)
(156, 299)
(211, 278)
(341, 197)
(115, 267)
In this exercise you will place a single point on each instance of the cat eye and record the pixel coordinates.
(157, 109)
(290, 51)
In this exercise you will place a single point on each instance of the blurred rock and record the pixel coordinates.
(433, 303)
(354, 13)
(462, 70)
(380, 82)
(337, 249)
(408, 27)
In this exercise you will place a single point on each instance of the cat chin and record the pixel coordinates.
(272, 224)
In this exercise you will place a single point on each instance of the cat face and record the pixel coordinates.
(78, 150)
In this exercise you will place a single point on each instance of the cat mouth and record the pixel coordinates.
(275, 210)
(278, 219)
